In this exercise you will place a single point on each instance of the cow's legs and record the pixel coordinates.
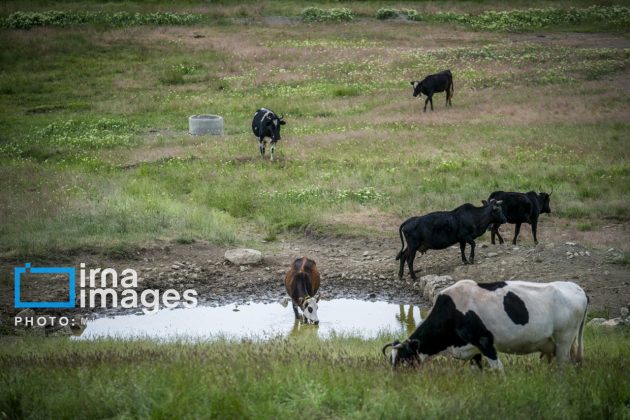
(563, 341)
(471, 241)
(475, 362)
(535, 230)
(495, 231)
(295, 311)
(261, 147)
(431, 100)
(462, 248)
(486, 346)
(517, 229)
(426, 102)
(411, 255)
(403, 258)
(273, 149)
(475, 332)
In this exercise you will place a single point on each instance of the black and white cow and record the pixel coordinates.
(470, 320)
(267, 124)
(434, 83)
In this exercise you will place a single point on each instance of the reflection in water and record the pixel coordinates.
(260, 321)
(302, 330)
(407, 320)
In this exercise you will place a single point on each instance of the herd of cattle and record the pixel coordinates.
(468, 320)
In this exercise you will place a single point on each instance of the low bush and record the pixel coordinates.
(520, 20)
(386, 13)
(316, 14)
(27, 20)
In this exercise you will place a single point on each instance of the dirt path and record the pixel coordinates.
(365, 267)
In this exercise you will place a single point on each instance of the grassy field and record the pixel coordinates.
(336, 378)
(95, 155)
(94, 150)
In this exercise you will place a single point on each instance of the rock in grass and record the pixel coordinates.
(243, 256)
(26, 313)
(595, 322)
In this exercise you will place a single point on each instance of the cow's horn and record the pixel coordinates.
(395, 344)
(385, 348)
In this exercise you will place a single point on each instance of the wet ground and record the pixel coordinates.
(357, 268)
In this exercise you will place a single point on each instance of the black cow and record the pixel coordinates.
(267, 124)
(442, 229)
(520, 208)
(439, 82)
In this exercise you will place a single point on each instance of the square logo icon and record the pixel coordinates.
(27, 269)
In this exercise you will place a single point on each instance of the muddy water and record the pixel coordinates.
(259, 321)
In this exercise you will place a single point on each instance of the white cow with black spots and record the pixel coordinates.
(471, 321)
(267, 124)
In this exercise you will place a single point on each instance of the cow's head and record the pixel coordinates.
(543, 199)
(309, 308)
(496, 214)
(274, 122)
(405, 353)
(417, 88)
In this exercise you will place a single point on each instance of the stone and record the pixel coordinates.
(570, 243)
(63, 331)
(243, 256)
(25, 313)
(492, 254)
(596, 322)
(624, 312)
(611, 322)
(432, 284)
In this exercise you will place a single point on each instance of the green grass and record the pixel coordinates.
(94, 150)
(340, 377)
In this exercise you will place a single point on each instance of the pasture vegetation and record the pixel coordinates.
(343, 377)
(94, 104)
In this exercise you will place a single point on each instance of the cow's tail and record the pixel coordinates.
(579, 340)
(452, 86)
(402, 242)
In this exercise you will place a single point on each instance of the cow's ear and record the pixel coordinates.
(282, 122)
(411, 83)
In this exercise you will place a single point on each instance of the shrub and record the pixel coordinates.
(519, 20)
(386, 13)
(316, 14)
(27, 20)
